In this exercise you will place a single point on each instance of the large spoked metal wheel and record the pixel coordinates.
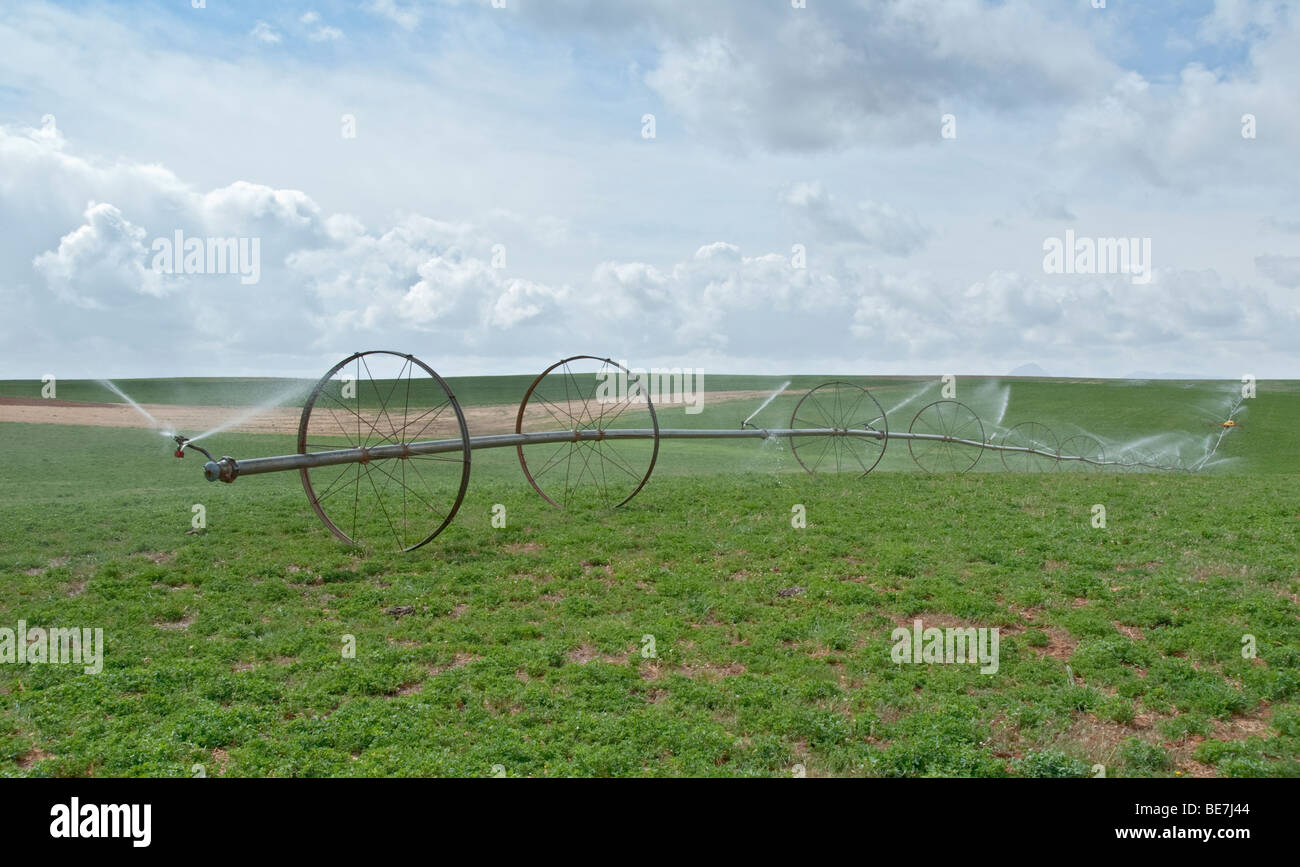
(1083, 446)
(845, 408)
(1034, 448)
(588, 394)
(951, 437)
(385, 398)
(1138, 460)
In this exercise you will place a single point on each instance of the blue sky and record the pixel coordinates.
(520, 130)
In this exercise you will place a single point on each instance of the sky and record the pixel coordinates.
(859, 187)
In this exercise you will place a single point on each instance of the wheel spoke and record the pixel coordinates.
(570, 393)
(398, 400)
(949, 420)
(836, 406)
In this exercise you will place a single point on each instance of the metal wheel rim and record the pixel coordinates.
(303, 446)
(1083, 446)
(1036, 435)
(573, 446)
(839, 416)
(960, 421)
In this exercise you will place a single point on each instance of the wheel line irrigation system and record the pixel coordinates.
(564, 420)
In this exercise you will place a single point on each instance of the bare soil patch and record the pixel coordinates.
(586, 653)
(480, 420)
(1060, 644)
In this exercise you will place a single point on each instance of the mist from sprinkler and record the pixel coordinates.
(1237, 407)
(112, 386)
(1216, 409)
(1002, 407)
(994, 396)
(909, 399)
(771, 397)
(297, 391)
(167, 430)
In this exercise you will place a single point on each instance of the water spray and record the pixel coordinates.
(771, 397)
(126, 397)
(366, 458)
(252, 412)
(1226, 425)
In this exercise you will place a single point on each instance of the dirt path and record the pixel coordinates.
(481, 420)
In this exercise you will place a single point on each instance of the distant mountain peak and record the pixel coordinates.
(1029, 369)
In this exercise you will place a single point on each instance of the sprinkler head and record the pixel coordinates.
(183, 442)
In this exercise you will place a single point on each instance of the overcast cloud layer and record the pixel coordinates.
(798, 209)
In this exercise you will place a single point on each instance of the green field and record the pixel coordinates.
(523, 650)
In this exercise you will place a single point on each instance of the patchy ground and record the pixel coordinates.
(694, 631)
(273, 420)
